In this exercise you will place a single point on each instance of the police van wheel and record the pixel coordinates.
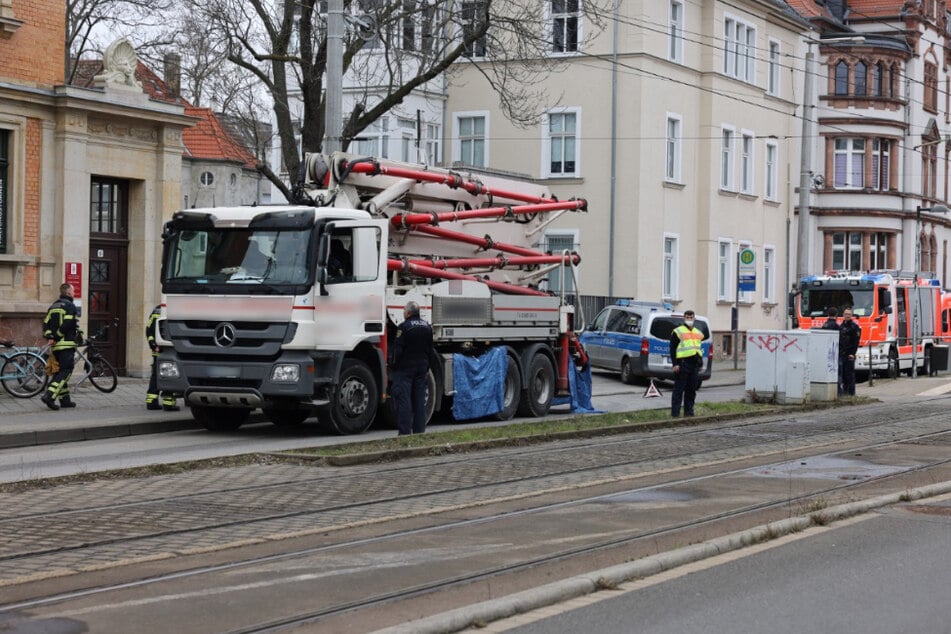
(538, 388)
(627, 372)
(513, 391)
(355, 400)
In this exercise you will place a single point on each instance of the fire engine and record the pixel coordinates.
(289, 308)
(891, 307)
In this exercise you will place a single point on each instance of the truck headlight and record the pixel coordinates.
(286, 373)
(168, 370)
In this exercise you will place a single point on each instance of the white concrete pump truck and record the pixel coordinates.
(289, 308)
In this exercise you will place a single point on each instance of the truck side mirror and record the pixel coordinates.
(323, 256)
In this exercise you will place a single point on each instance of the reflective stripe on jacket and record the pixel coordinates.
(690, 340)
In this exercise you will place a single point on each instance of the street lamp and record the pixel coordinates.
(915, 323)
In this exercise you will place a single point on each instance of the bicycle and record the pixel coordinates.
(97, 370)
(23, 374)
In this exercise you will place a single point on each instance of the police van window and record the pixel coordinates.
(617, 321)
(633, 324)
(600, 320)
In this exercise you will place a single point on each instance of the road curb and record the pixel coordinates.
(93, 432)
(485, 612)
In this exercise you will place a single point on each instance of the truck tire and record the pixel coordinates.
(538, 387)
(513, 391)
(387, 416)
(355, 399)
(220, 418)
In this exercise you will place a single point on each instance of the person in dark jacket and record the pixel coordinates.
(61, 329)
(849, 335)
(831, 323)
(410, 365)
(686, 354)
(152, 398)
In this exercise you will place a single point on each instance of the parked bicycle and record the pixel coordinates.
(23, 371)
(95, 368)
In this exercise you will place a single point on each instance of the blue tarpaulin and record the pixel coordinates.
(479, 384)
(579, 381)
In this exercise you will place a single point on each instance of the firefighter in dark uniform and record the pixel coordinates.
(686, 353)
(152, 398)
(410, 364)
(61, 329)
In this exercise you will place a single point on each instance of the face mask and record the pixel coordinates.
(688, 323)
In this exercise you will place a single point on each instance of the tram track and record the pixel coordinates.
(536, 514)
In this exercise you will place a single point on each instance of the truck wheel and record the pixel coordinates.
(513, 390)
(220, 418)
(538, 387)
(287, 417)
(355, 400)
(893, 366)
(627, 372)
(387, 415)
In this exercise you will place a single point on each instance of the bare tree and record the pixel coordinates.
(91, 25)
(392, 48)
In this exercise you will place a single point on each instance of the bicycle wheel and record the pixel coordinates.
(102, 375)
(24, 374)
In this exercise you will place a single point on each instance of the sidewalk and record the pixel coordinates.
(26, 422)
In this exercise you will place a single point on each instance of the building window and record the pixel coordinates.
(562, 143)
(861, 79)
(739, 54)
(373, 141)
(473, 15)
(207, 179)
(878, 252)
(108, 206)
(675, 46)
(4, 189)
(673, 148)
(565, 25)
(772, 86)
(929, 167)
(746, 164)
(472, 133)
(841, 78)
(931, 87)
(769, 275)
(772, 171)
(724, 264)
(560, 277)
(880, 164)
(408, 25)
(849, 163)
(670, 267)
(847, 251)
(433, 145)
(428, 30)
(878, 73)
(726, 159)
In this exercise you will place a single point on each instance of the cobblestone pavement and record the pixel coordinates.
(62, 530)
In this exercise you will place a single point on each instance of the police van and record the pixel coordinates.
(633, 337)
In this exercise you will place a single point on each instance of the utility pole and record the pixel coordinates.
(333, 88)
(805, 168)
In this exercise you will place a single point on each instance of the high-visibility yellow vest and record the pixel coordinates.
(690, 340)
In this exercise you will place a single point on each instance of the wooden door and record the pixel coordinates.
(106, 303)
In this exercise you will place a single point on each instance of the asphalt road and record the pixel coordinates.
(882, 573)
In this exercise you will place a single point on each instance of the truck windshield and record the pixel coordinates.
(816, 301)
(237, 256)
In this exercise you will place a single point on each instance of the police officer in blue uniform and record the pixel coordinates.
(410, 364)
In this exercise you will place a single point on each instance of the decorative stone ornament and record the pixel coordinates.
(118, 67)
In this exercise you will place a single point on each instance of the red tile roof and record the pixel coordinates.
(809, 9)
(206, 140)
(875, 8)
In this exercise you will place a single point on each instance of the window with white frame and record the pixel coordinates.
(433, 145)
(674, 148)
(849, 159)
(373, 141)
(561, 143)
(772, 78)
(847, 250)
(473, 15)
(726, 158)
(675, 37)
(880, 163)
(408, 25)
(746, 297)
(565, 25)
(670, 266)
(746, 163)
(772, 171)
(739, 52)
(769, 274)
(561, 277)
(471, 135)
(725, 281)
